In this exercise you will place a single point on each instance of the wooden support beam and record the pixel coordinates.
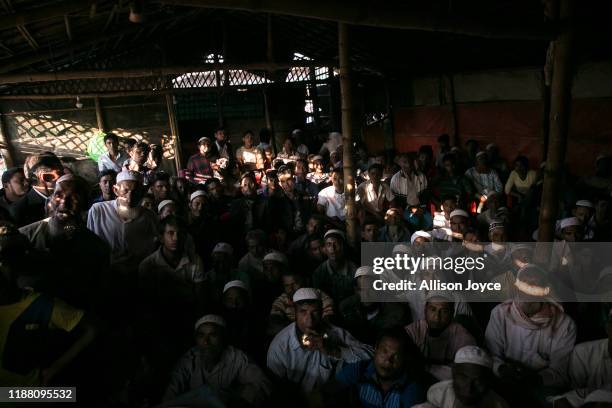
(6, 147)
(28, 37)
(174, 132)
(68, 27)
(560, 110)
(110, 18)
(99, 115)
(352, 227)
(146, 72)
(389, 16)
(42, 13)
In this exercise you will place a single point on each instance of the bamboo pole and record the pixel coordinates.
(6, 147)
(352, 229)
(398, 17)
(174, 132)
(450, 100)
(148, 72)
(99, 115)
(560, 110)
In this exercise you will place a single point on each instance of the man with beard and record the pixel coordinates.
(394, 229)
(391, 379)
(224, 369)
(335, 275)
(470, 385)
(129, 229)
(531, 339)
(106, 181)
(64, 236)
(366, 319)
(437, 336)
(42, 171)
(309, 352)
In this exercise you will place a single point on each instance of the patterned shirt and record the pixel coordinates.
(198, 168)
(484, 181)
(362, 376)
(408, 186)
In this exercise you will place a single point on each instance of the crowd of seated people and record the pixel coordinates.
(234, 283)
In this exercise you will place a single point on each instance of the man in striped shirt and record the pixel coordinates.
(408, 183)
(484, 178)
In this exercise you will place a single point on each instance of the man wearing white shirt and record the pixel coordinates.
(331, 200)
(531, 338)
(113, 158)
(590, 368)
(130, 230)
(373, 194)
(309, 352)
(408, 183)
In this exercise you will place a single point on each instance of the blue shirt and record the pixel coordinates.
(362, 376)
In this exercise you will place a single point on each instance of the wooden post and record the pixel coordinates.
(99, 117)
(352, 229)
(450, 100)
(6, 147)
(174, 132)
(560, 110)
(266, 94)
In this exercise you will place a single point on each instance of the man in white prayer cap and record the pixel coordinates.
(470, 386)
(310, 351)
(531, 338)
(227, 371)
(129, 230)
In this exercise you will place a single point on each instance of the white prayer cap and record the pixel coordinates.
(223, 247)
(491, 146)
(235, 284)
(305, 294)
(532, 280)
(204, 139)
(600, 157)
(277, 257)
(317, 157)
(423, 234)
(481, 153)
(128, 175)
(401, 249)
(458, 212)
(210, 318)
(363, 271)
(473, 355)
(584, 203)
(335, 232)
(197, 193)
(439, 294)
(163, 204)
(569, 222)
(599, 396)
